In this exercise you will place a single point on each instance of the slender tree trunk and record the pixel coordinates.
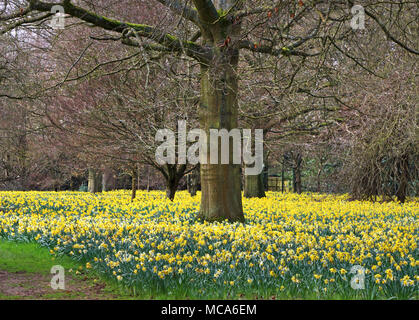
(138, 176)
(7, 166)
(283, 176)
(298, 186)
(22, 147)
(297, 174)
(403, 171)
(265, 171)
(319, 172)
(134, 174)
(193, 180)
(148, 179)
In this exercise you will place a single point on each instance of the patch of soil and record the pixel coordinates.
(34, 286)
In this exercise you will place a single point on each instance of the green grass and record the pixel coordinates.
(31, 258)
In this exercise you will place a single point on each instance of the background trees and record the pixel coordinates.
(383, 140)
(296, 69)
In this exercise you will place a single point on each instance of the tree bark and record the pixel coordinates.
(93, 184)
(148, 179)
(297, 173)
(265, 173)
(254, 186)
(220, 183)
(298, 187)
(108, 180)
(172, 174)
(283, 176)
(403, 171)
(171, 189)
(193, 180)
(319, 172)
(134, 175)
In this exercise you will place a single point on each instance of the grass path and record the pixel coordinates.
(25, 274)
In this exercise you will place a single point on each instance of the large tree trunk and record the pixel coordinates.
(93, 184)
(220, 183)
